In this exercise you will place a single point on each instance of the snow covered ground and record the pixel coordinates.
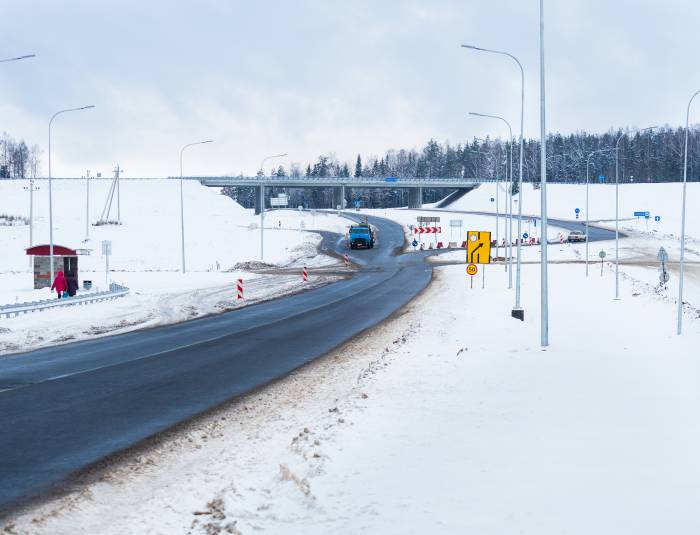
(447, 418)
(222, 238)
(437, 422)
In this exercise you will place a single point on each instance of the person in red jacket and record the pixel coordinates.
(59, 284)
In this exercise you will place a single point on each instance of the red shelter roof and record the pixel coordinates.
(44, 250)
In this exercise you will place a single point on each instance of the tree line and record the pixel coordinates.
(652, 156)
(17, 160)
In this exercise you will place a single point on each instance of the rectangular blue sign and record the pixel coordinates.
(642, 214)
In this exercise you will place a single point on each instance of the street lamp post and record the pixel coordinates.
(27, 56)
(50, 191)
(544, 282)
(588, 165)
(182, 202)
(262, 202)
(510, 140)
(617, 207)
(685, 184)
(517, 311)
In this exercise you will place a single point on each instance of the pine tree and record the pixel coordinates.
(358, 167)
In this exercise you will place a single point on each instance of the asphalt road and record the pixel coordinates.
(66, 407)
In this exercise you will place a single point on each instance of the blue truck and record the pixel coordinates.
(361, 235)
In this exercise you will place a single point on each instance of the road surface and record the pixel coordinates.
(65, 407)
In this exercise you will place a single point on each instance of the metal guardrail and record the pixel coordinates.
(115, 291)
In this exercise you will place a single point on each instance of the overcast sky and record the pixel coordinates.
(315, 77)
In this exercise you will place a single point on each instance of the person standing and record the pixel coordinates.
(72, 283)
(59, 284)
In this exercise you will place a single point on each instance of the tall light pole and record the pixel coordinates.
(510, 140)
(31, 188)
(588, 165)
(617, 207)
(544, 288)
(182, 202)
(59, 112)
(262, 202)
(685, 184)
(517, 311)
(87, 205)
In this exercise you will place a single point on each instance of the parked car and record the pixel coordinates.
(576, 236)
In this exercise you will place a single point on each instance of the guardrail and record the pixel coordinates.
(115, 291)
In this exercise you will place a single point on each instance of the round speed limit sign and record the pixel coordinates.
(472, 269)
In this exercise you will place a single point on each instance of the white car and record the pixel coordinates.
(576, 236)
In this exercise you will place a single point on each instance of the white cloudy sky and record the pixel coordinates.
(321, 76)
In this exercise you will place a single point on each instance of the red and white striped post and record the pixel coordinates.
(346, 259)
(305, 274)
(239, 288)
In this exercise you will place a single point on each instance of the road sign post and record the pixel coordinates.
(662, 257)
(478, 247)
(472, 270)
(601, 254)
(106, 252)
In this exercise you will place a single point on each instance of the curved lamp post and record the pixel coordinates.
(517, 311)
(182, 202)
(510, 231)
(617, 206)
(50, 191)
(685, 184)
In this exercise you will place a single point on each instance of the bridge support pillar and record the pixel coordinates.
(415, 197)
(339, 197)
(257, 199)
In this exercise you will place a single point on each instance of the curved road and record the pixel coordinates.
(65, 407)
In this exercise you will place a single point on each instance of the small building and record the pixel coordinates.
(64, 259)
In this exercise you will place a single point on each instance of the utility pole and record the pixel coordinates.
(87, 205)
(117, 173)
(31, 189)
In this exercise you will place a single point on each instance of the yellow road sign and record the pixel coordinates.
(472, 269)
(478, 247)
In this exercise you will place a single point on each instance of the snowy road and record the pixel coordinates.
(69, 406)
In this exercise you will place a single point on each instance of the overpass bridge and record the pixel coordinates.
(340, 185)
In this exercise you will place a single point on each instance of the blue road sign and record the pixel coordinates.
(601, 179)
(391, 179)
(578, 210)
(525, 235)
(492, 199)
(414, 243)
(641, 214)
(357, 203)
(657, 218)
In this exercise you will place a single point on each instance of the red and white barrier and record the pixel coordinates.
(427, 230)
(305, 274)
(239, 288)
(346, 259)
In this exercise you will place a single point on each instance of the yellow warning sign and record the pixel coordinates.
(478, 247)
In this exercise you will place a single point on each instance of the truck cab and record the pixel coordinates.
(361, 236)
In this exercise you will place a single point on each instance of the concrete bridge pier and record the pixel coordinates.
(339, 197)
(415, 197)
(257, 199)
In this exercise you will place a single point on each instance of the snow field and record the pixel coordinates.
(146, 255)
(448, 418)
